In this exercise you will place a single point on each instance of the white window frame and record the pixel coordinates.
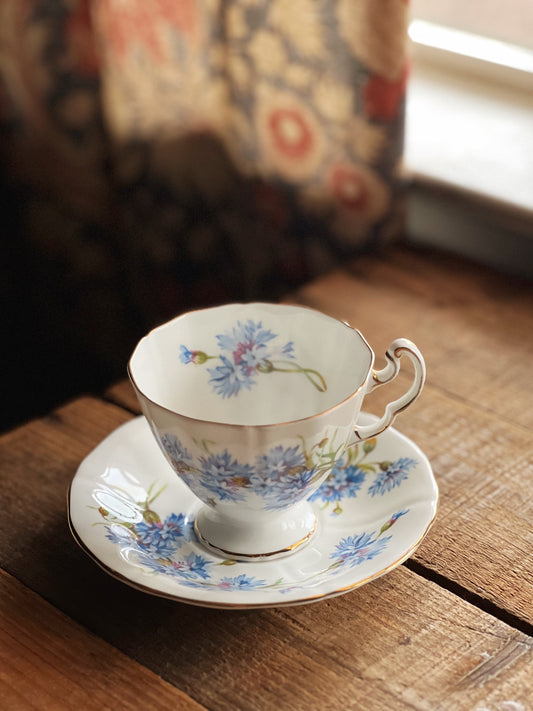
(469, 129)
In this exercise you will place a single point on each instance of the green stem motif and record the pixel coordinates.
(314, 377)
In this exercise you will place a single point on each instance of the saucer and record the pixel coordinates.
(135, 518)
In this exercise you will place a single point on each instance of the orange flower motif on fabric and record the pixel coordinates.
(382, 98)
(290, 135)
(142, 23)
(290, 132)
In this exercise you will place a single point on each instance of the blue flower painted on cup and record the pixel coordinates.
(281, 476)
(179, 457)
(247, 351)
(223, 476)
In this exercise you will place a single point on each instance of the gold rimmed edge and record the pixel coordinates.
(139, 391)
(253, 556)
(244, 606)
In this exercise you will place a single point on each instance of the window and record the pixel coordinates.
(510, 22)
(470, 123)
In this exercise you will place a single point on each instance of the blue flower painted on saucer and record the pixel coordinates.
(241, 582)
(352, 470)
(391, 475)
(247, 351)
(355, 550)
(168, 546)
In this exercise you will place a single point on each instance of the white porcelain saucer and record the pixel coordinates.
(135, 518)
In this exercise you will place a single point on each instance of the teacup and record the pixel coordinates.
(252, 405)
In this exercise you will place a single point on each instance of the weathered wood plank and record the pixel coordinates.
(475, 417)
(482, 538)
(400, 642)
(474, 327)
(48, 661)
(122, 394)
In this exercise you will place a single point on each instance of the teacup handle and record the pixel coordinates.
(395, 351)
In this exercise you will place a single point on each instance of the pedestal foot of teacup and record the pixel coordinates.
(267, 536)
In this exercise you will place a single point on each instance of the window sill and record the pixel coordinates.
(469, 148)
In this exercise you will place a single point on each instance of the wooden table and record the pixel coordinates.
(450, 629)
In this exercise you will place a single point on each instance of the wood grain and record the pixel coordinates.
(401, 642)
(122, 394)
(482, 538)
(47, 661)
(475, 327)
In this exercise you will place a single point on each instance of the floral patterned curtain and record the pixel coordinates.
(165, 154)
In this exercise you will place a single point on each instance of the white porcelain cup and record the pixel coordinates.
(252, 405)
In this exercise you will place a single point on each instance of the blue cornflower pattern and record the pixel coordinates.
(392, 476)
(179, 456)
(163, 538)
(191, 570)
(169, 547)
(186, 356)
(192, 566)
(247, 350)
(281, 477)
(355, 550)
(120, 534)
(224, 476)
(228, 379)
(247, 342)
(343, 482)
(240, 582)
(280, 462)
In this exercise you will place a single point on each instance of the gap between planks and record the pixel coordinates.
(469, 596)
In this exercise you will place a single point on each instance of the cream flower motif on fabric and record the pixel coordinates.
(301, 23)
(335, 101)
(365, 140)
(299, 76)
(217, 55)
(292, 143)
(268, 53)
(236, 25)
(138, 103)
(376, 32)
(368, 140)
(239, 71)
